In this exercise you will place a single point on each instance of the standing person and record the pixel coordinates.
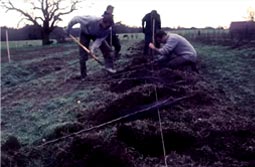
(177, 51)
(113, 39)
(149, 19)
(96, 29)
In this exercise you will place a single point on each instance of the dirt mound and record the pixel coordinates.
(199, 128)
(91, 151)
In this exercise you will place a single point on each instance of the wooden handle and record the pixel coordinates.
(87, 50)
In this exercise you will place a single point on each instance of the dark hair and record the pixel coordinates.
(160, 34)
(108, 19)
(107, 12)
(153, 12)
(109, 7)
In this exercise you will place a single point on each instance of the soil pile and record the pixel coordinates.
(199, 127)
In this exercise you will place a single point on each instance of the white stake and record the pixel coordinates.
(7, 45)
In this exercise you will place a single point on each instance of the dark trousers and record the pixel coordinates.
(177, 62)
(147, 40)
(105, 49)
(115, 42)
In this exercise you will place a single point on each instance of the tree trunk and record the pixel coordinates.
(46, 38)
(46, 33)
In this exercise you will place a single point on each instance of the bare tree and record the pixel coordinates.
(251, 14)
(43, 13)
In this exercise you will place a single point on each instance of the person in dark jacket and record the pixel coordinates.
(96, 29)
(149, 22)
(113, 39)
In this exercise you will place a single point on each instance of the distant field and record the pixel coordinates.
(191, 34)
(29, 43)
(19, 44)
(23, 43)
(203, 32)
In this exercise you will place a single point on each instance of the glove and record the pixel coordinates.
(92, 50)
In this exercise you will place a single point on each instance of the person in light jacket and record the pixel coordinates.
(96, 29)
(176, 51)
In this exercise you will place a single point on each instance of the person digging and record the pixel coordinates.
(96, 29)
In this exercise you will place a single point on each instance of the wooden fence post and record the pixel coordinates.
(7, 46)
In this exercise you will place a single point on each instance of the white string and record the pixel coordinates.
(160, 126)
(156, 96)
(148, 108)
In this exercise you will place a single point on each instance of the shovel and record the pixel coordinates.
(87, 50)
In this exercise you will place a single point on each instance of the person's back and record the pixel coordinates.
(156, 17)
(90, 25)
(179, 46)
(150, 22)
(148, 19)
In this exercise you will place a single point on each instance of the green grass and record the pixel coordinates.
(231, 70)
(14, 73)
(30, 118)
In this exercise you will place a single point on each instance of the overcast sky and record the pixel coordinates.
(174, 13)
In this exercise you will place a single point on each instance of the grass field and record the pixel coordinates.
(41, 97)
(229, 69)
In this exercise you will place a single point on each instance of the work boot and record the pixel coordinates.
(83, 77)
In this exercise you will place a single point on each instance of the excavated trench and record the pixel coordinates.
(199, 128)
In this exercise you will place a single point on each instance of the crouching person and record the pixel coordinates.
(96, 29)
(176, 52)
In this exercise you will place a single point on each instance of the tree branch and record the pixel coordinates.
(56, 17)
(10, 6)
(51, 13)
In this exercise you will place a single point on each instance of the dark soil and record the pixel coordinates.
(200, 129)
